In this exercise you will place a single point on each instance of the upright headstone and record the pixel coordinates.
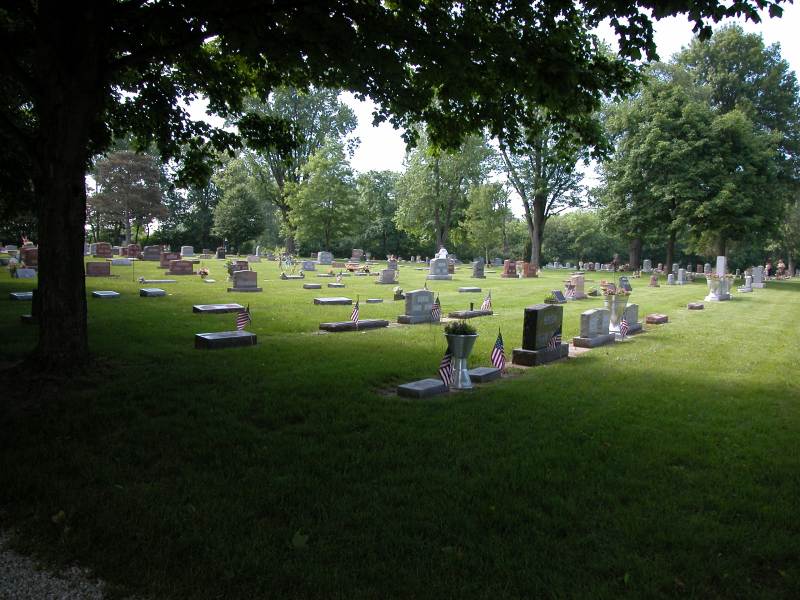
(324, 257)
(181, 267)
(151, 253)
(166, 258)
(439, 269)
(699, 268)
(133, 251)
(477, 269)
(758, 277)
(187, 250)
(245, 281)
(654, 281)
(625, 284)
(675, 267)
(387, 276)
(590, 266)
(30, 256)
(528, 270)
(597, 266)
(648, 265)
(707, 268)
(497, 261)
(594, 329)
(253, 258)
(509, 269)
(356, 255)
(578, 282)
(721, 266)
(419, 304)
(392, 264)
(98, 269)
(681, 276)
(221, 252)
(102, 250)
(631, 316)
(541, 336)
(308, 265)
(748, 284)
(670, 279)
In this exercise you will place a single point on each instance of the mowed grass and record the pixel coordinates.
(665, 466)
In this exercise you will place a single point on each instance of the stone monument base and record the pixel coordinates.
(414, 320)
(593, 342)
(533, 358)
(440, 277)
(337, 326)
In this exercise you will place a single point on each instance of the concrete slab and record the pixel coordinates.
(333, 301)
(224, 339)
(469, 314)
(484, 374)
(593, 342)
(105, 294)
(338, 326)
(424, 388)
(215, 309)
(312, 286)
(533, 358)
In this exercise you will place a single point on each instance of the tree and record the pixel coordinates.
(486, 217)
(314, 116)
(76, 74)
(324, 204)
(128, 190)
(378, 199)
(239, 216)
(432, 192)
(544, 173)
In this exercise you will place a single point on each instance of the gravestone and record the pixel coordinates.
(151, 292)
(559, 296)
(699, 268)
(670, 279)
(656, 319)
(758, 277)
(215, 309)
(541, 336)
(578, 281)
(356, 255)
(221, 252)
(224, 339)
(675, 267)
(312, 286)
(721, 266)
(392, 264)
(528, 270)
(681, 276)
(497, 261)
(134, 251)
(707, 268)
(180, 267)
(166, 258)
(648, 265)
(418, 308)
(451, 266)
(121, 262)
(21, 296)
(478, 269)
(105, 294)
(308, 265)
(98, 269)
(695, 306)
(333, 301)
(388, 276)
(335, 285)
(654, 281)
(245, 281)
(151, 253)
(624, 284)
(30, 256)
(25, 273)
(339, 326)
(253, 258)
(748, 284)
(509, 269)
(469, 290)
(591, 266)
(374, 300)
(631, 315)
(324, 257)
(117, 251)
(424, 388)
(187, 250)
(102, 250)
(594, 329)
(86, 249)
(439, 270)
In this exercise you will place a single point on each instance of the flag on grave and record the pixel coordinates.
(498, 353)
(354, 314)
(555, 341)
(623, 327)
(446, 368)
(243, 318)
(436, 311)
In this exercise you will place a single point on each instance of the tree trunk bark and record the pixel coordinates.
(635, 253)
(536, 230)
(670, 252)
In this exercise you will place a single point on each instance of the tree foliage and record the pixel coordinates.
(239, 216)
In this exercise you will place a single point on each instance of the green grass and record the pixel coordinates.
(665, 466)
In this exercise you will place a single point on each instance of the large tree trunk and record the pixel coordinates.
(70, 101)
(635, 253)
(536, 230)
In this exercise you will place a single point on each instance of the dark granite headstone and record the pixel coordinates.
(151, 292)
(338, 326)
(217, 308)
(541, 334)
(559, 295)
(484, 374)
(224, 339)
(21, 295)
(312, 286)
(625, 284)
(105, 294)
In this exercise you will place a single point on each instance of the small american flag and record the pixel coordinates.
(243, 318)
(339, 278)
(570, 292)
(623, 327)
(555, 341)
(436, 311)
(487, 302)
(498, 353)
(354, 314)
(446, 368)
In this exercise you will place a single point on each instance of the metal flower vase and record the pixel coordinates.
(460, 347)
(713, 289)
(616, 305)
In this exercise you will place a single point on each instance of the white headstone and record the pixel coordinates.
(721, 270)
(187, 250)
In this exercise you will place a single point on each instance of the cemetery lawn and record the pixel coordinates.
(668, 465)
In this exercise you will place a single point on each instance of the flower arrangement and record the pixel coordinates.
(459, 328)
(716, 277)
(203, 272)
(550, 299)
